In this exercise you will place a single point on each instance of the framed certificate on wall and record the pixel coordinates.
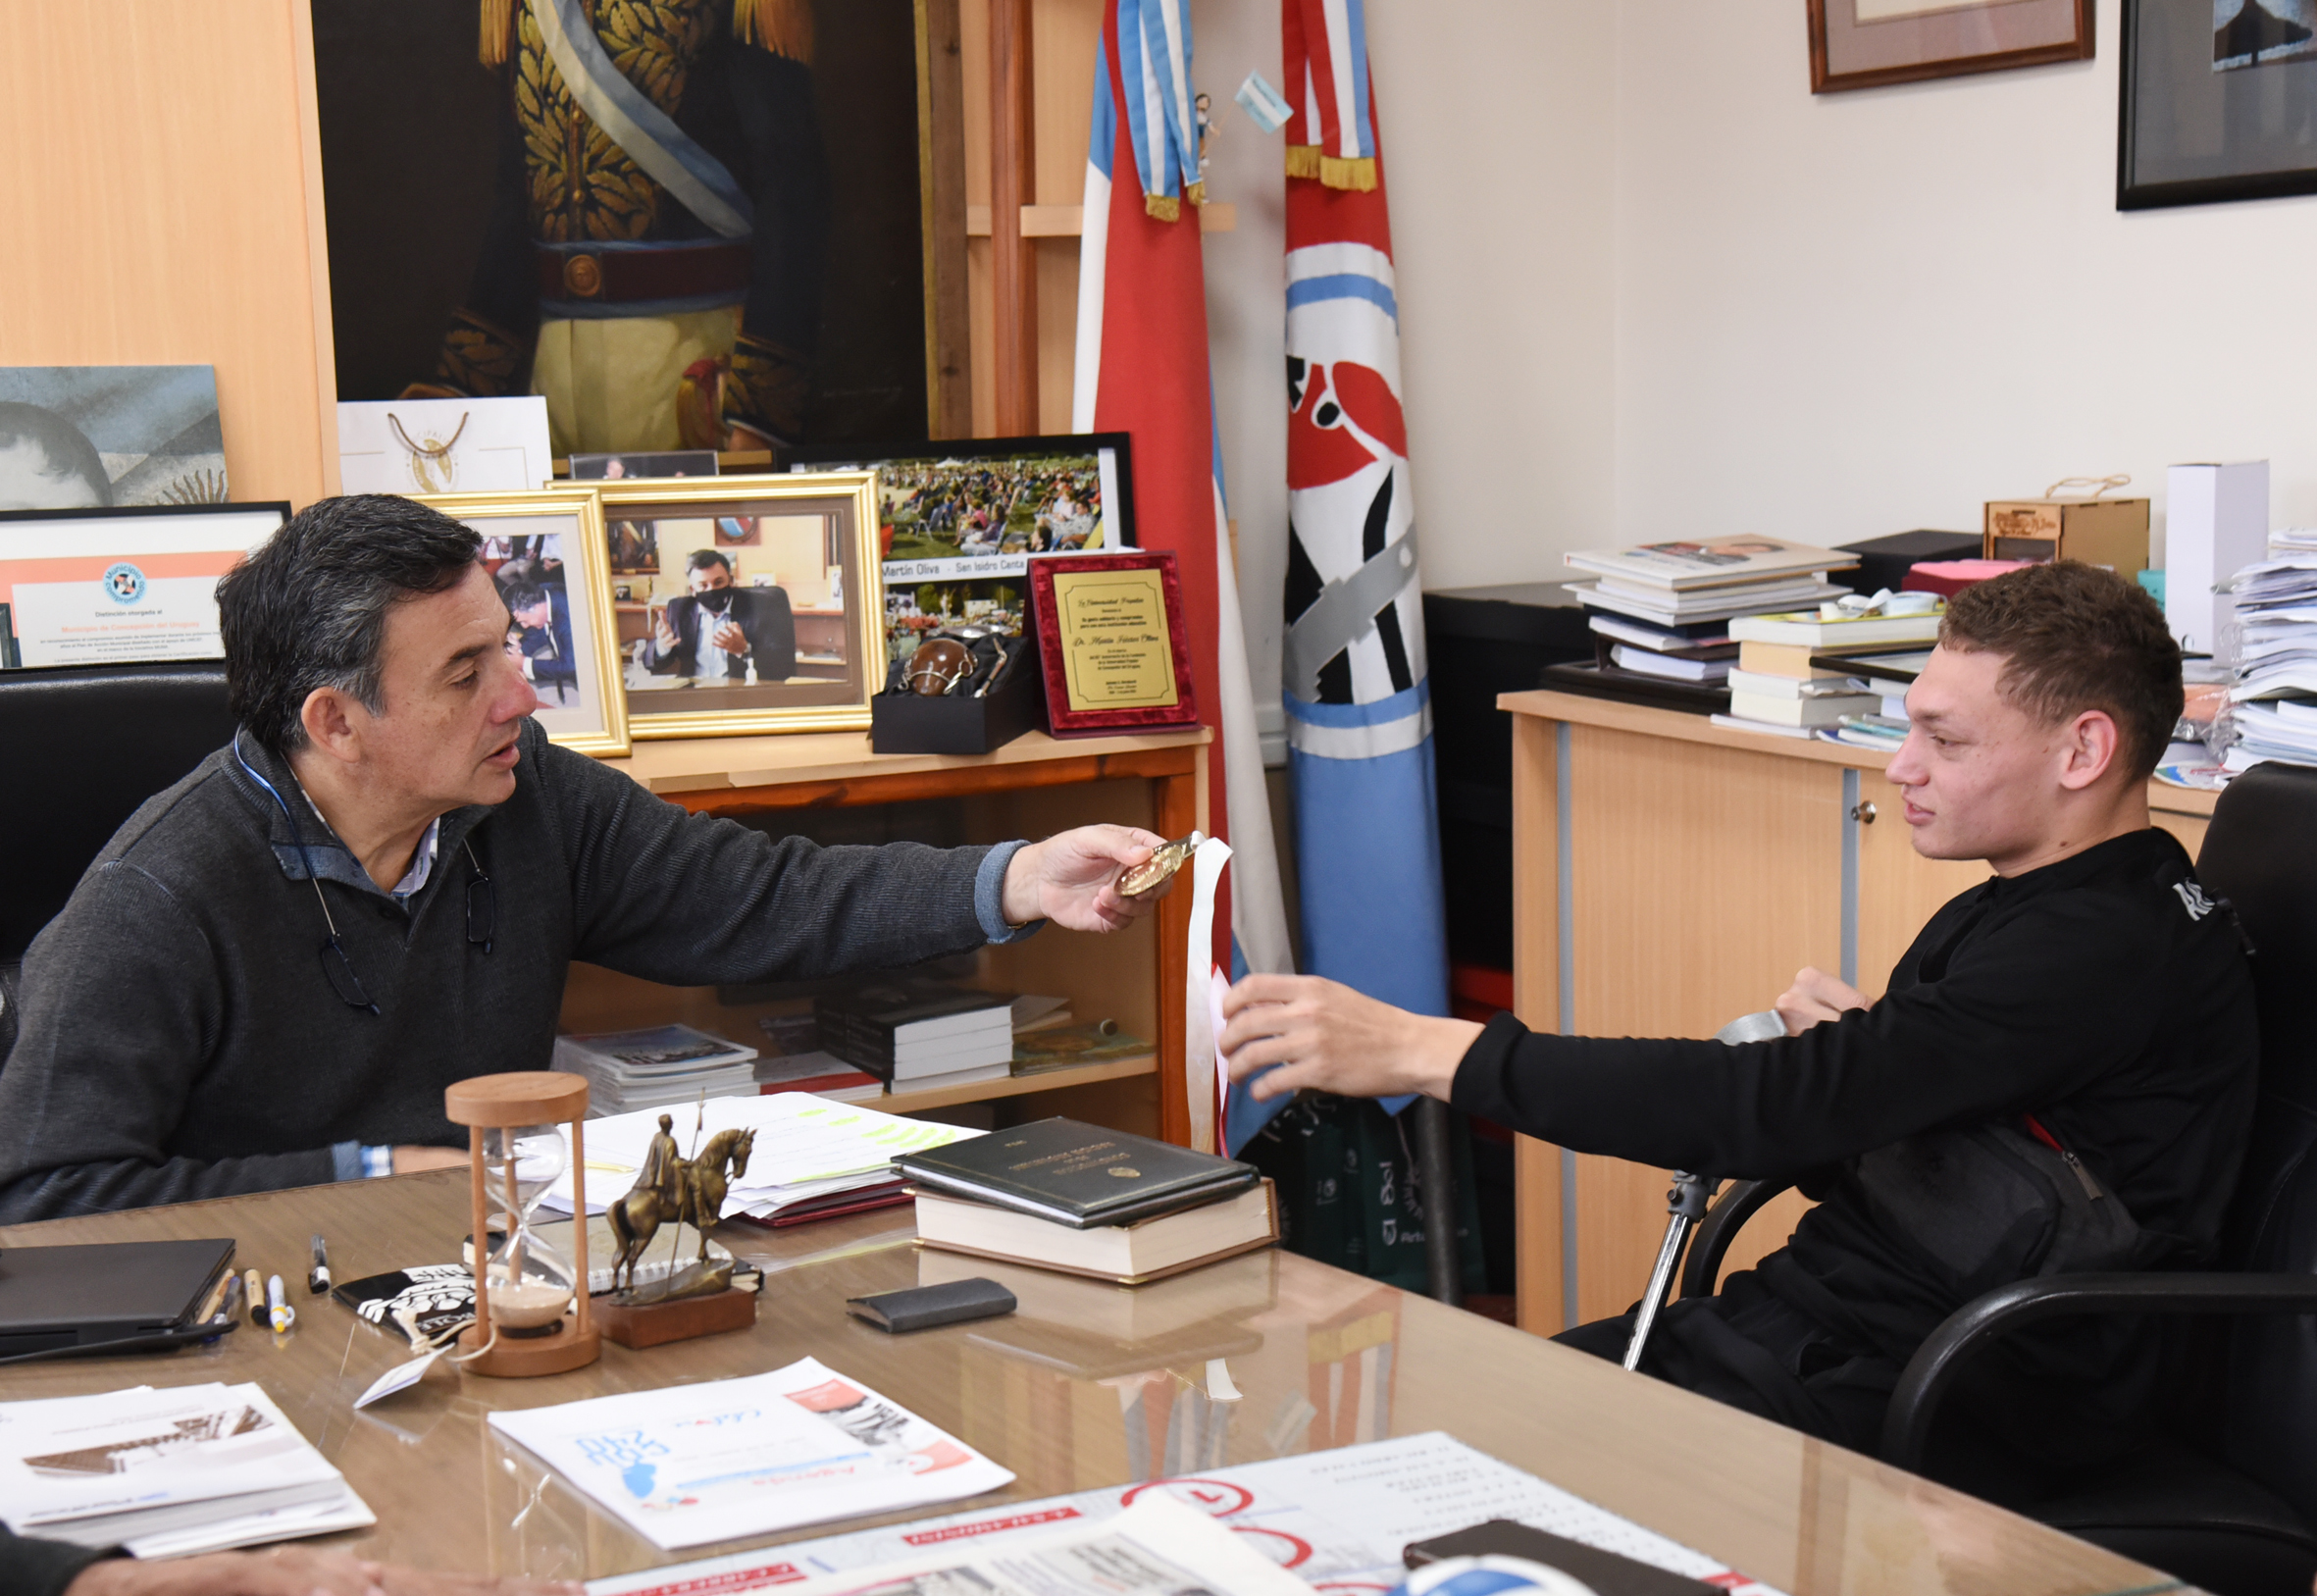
(1111, 643)
(106, 586)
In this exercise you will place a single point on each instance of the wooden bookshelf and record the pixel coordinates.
(1033, 786)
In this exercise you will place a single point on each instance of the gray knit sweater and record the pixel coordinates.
(179, 1037)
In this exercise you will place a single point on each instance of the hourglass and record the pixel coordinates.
(532, 1312)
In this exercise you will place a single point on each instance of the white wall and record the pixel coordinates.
(1650, 285)
(1851, 314)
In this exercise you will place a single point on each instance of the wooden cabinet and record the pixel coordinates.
(1032, 787)
(1671, 875)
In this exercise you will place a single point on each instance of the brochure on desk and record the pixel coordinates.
(1336, 1520)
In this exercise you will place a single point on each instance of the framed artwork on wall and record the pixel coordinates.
(2218, 103)
(753, 604)
(1866, 43)
(545, 551)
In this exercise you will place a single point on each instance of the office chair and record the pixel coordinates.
(2236, 1511)
(84, 746)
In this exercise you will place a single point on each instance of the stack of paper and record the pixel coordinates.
(732, 1459)
(648, 1069)
(807, 1151)
(193, 1469)
(2274, 699)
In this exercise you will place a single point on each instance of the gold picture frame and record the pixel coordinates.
(807, 660)
(588, 713)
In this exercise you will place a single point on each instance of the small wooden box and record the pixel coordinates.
(2111, 532)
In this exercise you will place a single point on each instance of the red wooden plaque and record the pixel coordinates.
(1058, 633)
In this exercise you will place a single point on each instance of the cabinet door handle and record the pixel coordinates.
(1863, 813)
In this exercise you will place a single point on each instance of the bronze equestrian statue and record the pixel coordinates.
(689, 1191)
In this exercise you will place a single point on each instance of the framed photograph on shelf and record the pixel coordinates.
(545, 550)
(958, 521)
(2216, 104)
(111, 586)
(1866, 43)
(1111, 643)
(752, 603)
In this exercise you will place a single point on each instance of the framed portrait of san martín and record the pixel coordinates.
(545, 551)
(760, 609)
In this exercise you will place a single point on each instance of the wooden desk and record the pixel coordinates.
(1798, 1514)
(1670, 875)
(1032, 787)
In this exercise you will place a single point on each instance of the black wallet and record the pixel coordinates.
(1606, 1573)
(921, 1308)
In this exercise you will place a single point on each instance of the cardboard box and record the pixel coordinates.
(2112, 533)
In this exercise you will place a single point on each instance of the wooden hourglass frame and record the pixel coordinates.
(511, 1101)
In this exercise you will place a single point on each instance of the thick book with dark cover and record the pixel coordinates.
(1075, 1174)
(871, 1026)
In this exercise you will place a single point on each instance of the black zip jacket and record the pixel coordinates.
(41, 1567)
(2103, 995)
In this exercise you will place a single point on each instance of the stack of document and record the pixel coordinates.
(192, 1469)
(808, 1151)
(2274, 698)
(649, 1068)
(728, 1460)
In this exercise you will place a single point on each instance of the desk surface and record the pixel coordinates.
(1798, 1514)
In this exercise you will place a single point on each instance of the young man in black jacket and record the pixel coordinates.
(2059, 1078)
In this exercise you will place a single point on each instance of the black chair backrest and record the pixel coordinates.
(83, 747)
(2261, 857)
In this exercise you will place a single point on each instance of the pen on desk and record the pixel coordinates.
(232, 1304)
(278, 1311)
(255, 1285)
(318, 1278)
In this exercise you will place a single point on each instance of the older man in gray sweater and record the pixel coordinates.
(273, 969)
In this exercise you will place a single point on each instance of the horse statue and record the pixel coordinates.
(687, 1191)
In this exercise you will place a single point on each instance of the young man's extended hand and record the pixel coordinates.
(1329, 1036)
(1072, 879)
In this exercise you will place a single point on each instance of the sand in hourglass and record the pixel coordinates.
(526, 1305)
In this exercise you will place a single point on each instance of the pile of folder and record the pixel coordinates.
(2273, 704)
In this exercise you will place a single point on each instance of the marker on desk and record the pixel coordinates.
(255, 1284)
(317, 1277)
(278, 1312)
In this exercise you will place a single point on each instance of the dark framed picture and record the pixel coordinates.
(1866, 43)
(752, 603)
(960, 521)
(1111, 643)
(104, 587)
(2217, 104)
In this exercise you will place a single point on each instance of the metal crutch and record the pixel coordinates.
(1685, 1204)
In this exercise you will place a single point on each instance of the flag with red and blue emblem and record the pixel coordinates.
(1142, 369)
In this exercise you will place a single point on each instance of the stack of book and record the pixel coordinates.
(655, 1068)
(1088, 1201)
(163, 1474)
(915, 1035)
(2273, 703)
(1660, 610)
(794, 1061)
(1781, 686)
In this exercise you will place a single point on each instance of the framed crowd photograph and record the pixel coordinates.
(1111, 643)
(545, 551)
(958, 521)
(2217, 105)
(746, 604)
(1866, 43)
(115, 585)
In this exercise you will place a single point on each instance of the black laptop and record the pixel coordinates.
(56, 1297)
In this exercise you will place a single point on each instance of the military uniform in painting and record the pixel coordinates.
(653, 311)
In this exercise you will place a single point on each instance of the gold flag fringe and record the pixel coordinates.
(1195, 194)
(1357, 174)
(783, 26)
(1165, 207)
(1302, 160)
(498, 22)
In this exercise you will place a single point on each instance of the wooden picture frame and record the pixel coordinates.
(1095, 623)
(814, 545)
(1869, 43)
(571, 660)
(2195, 127)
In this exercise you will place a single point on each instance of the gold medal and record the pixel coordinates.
(1159, 869)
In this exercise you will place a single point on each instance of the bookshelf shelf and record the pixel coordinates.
(1032, 787)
